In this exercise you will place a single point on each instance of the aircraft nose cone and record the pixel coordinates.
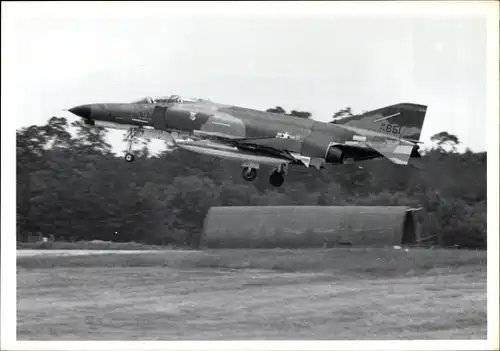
(81, 111)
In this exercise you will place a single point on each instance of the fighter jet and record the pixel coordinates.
(256, 138)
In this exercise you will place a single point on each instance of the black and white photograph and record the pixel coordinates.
(277, 175)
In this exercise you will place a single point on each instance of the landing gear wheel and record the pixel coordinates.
(276, 179)
(249, 174)
(129, 157)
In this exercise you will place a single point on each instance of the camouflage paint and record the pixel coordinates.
(374, 134)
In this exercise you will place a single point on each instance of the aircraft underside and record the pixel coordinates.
(250, 156)
(251, 159)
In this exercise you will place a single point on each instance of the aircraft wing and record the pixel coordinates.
(230, 138)
(263, 144)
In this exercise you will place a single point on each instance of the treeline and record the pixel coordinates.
(74, 188)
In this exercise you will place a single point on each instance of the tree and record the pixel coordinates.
(57, 133)
(91, 139)
(300, 114)
(281, 110)
(445, 139)
(343, 113)
(277, 109)
(30, 152)
(74, 188)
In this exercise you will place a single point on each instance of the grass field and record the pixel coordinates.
(254, 294)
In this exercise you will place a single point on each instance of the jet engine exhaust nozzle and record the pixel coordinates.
(334, 155)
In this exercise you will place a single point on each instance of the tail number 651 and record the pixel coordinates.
(390, 128)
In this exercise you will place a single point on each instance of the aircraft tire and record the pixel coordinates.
(276, 179)
(249, 174)
(129, 157)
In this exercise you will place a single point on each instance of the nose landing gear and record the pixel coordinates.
(129, 157)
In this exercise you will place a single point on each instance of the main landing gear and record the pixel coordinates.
(276, 179)
(249, 174)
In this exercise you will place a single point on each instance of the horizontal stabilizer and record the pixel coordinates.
(396, 152)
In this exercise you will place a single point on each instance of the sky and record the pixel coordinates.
(317, 61)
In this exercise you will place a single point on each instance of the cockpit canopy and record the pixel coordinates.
(164, 99)
(169, 99)
(146, 100)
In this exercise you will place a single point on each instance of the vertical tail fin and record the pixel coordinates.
(404, 120)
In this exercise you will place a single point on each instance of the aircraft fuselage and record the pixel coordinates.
(252, 136)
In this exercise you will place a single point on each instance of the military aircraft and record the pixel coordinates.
(256, 137)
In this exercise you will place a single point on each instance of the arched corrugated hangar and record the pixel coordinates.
(309, 226)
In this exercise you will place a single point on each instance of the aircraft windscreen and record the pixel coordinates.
(164, 99)
(169, 99)
(146, 100)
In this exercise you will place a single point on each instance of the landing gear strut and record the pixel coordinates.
(129, 157)
(249, 174)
